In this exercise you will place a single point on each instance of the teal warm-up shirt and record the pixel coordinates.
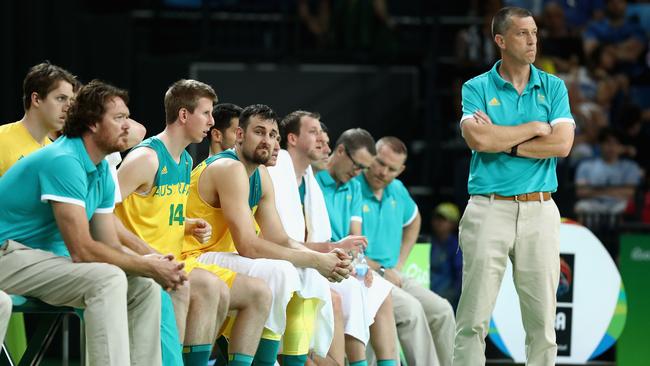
(545, 99)
(384, 221)
(60, 172)
(343, 203)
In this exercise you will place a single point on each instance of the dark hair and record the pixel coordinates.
(43, 78)
(89, 106)
(224, 113)
(185, 94)
(501, 20)
(323, 127)
(260, 110)
(355, 139)
(291, 124)
(607, 133)
(394, 144)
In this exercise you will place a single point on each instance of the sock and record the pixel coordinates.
(239, 359)
(359, 363)
(386, 363)
(267, 352)
(196, 355)
(298, 360)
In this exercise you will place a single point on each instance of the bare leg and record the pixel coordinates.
(383, 332)
(336, 354)
(355, 349)
(181, 301)
(251, 297)
(209, 298)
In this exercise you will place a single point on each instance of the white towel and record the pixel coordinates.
(287, 199)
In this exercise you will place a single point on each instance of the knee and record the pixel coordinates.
(261, 292)
(207, 288)
(110, 277)
(181, 296)
(147, 289)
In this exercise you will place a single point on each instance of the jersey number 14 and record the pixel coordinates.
(176, 214)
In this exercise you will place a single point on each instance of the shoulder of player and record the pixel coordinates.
(226, 171)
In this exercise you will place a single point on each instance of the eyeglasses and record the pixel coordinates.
(357, 165)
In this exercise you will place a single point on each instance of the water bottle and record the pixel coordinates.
(361, 265)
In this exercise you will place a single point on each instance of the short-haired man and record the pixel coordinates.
(154, 180)
(325, 150)
(391, 222)
(47, 93)
(230, 189)
(517, 121)
(81, 262)
(223, 133)
(367, 307)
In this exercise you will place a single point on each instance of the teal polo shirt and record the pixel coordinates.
(60, 172)
(384, 221)
(343, 203)
(544, 99)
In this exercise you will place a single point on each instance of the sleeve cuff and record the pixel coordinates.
(412, 218)
(105, 210)
(356, 218)
(563, 120)
(52, 197)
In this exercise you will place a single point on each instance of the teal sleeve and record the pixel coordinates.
(410, 207)
(472, 100)
(63, 180)
(560, 110)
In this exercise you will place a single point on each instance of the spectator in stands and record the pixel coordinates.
(474, 47)
(446, 260)
(223, 133)
(391, 221)
(76, 222)
(561, 45)
(301, 310)
(627, 38)
(604, 185)
(635, 135)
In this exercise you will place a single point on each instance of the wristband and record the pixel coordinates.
(513, 151)
(382, 271)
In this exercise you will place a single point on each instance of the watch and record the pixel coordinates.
(382, 271)
(513, 151)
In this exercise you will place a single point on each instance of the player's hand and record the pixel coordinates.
(168, 273)
(352, 243)
(332, 266)
(482, 118)
(393, 277)
(165, 257)
(200, 229)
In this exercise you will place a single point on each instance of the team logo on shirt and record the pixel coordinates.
(164, 170)
(494, 102)
(349, 197)
(366, 208)
(541, 97)
(393, 203)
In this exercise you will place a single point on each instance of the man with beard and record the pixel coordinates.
(58, 235)
(226, 121)
(233, 191)
(154, 180)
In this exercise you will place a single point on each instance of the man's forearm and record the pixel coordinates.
(494, 138)
(130, 240)
(557, 144)
(96, 251)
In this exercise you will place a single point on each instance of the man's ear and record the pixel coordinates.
(216, 135)
(500, 41)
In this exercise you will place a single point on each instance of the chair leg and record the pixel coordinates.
(41, 340)
(5, 357)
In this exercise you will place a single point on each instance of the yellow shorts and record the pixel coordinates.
(224, 274)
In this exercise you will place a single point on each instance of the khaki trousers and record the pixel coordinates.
(491, 231)
(5, 314)
(121, 313)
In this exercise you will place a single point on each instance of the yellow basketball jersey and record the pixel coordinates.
(221, 240)
(158, 217)
(16, 143)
